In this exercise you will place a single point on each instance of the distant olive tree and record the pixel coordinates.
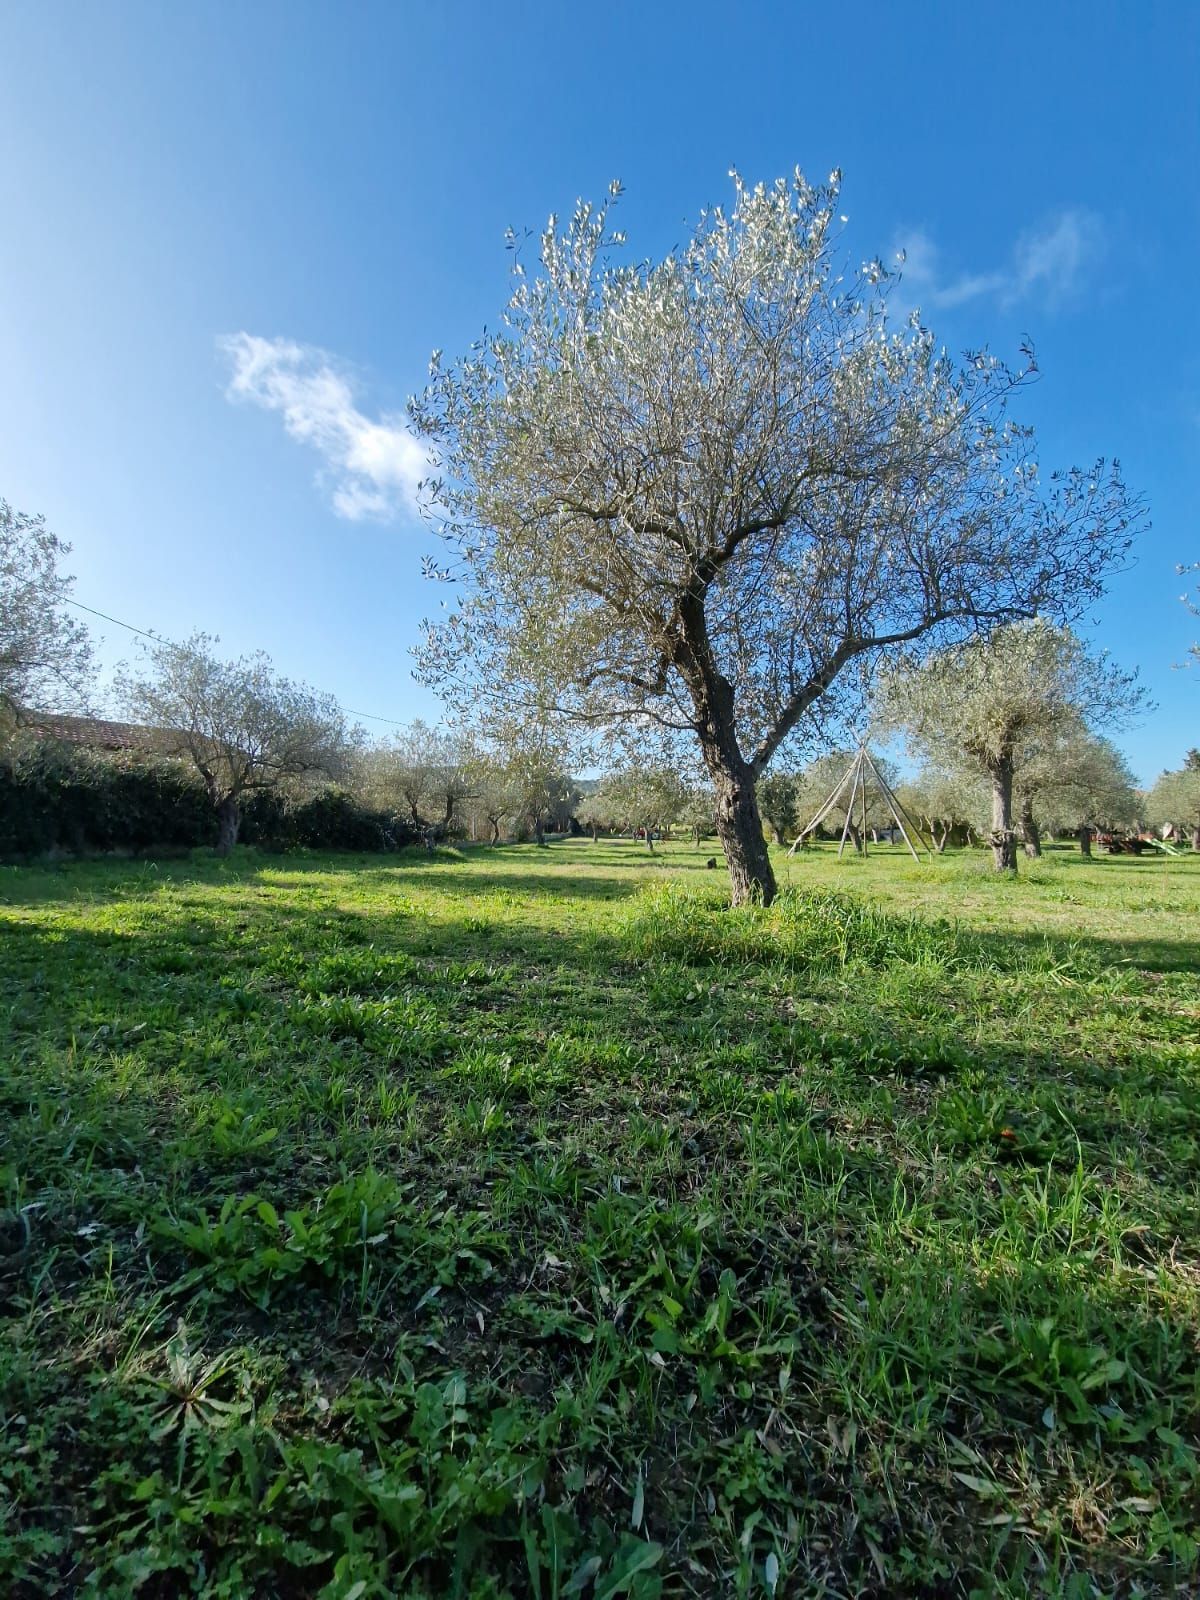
(1075, 782)
(779, 803)
(45, 654)
(530, 760)
(494, 800)
(697, 814)
(424, 772)
(243, 727)
(1175, 800)
(693, 492)
(945, 802)
(1000, 703)
(643, 799)
(595, 813)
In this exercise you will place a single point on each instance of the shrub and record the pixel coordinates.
(330, 820)
(57, 797)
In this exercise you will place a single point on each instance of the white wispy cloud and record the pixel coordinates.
(1049, 263)
(371, 465)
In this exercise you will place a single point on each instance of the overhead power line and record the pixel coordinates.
(158, 638)
(79, 606)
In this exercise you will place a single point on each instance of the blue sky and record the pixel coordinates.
(199, 199)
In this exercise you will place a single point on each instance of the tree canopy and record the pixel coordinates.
(242, 725)
(45, 653)
(1175, 800)
(692, 492)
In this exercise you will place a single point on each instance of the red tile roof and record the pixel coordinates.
(94, 733)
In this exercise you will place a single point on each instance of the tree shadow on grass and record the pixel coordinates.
(1109, 951)
(911, 1361)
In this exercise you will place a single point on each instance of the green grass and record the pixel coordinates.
(527, 1223)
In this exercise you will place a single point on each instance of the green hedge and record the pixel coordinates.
(331, 820)
(59, 798)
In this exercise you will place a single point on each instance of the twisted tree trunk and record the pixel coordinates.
(1031, 834)
(740, 830)
(737, 817)
(1003, 839)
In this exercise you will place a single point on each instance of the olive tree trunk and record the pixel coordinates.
(1031, 834)
(229, 820)
(1084, 835)
(740, 830)
(1003, 838)
(737, 817)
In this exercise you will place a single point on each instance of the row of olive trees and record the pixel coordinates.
(1079, 783)
(244, 728)
(1016, 711)
(239, 724)
(1006, 726)
(496, 775)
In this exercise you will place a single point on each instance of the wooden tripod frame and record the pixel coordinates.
(855, 779)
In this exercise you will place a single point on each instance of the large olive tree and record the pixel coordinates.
(242, 726)
(690, 493)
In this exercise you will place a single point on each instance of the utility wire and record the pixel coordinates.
(79, 606)
(158, 639)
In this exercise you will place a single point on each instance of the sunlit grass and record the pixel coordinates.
(518, 1222)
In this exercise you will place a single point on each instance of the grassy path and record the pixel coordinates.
(521, 1222)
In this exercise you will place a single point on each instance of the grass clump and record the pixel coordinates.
(802, 928)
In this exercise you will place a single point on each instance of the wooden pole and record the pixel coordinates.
(824, 811)
(854, 771)
(863, 776)
(896, 809)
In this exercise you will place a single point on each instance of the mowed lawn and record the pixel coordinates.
(521, 1222)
